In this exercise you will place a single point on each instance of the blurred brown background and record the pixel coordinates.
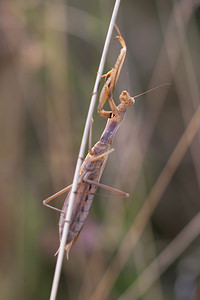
(49, 56)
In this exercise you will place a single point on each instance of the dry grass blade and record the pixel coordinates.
(81, 154)
(163, 260)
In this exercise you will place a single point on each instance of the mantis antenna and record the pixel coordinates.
(155, 88)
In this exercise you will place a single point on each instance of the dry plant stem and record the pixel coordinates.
(164, 260)
(81, 154)
(146, 211)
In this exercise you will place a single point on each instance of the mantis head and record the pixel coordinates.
(126, 99)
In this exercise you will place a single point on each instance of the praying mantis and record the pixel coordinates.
(94, 163)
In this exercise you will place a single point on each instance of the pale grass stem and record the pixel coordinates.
(81, 154)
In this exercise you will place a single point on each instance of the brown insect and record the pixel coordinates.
(94, 163)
